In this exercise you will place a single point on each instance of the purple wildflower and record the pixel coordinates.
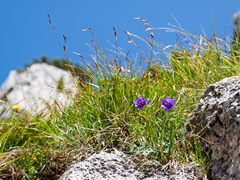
(140, 102)
(168, 104)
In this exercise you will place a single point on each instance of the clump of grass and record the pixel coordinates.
(104, 117)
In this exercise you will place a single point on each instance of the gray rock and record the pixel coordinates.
(236, 20)
(116, 166)
(217, 120)
(35, 90)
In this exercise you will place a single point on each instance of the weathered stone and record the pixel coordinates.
(37, 90)
(217, 120)
(112, 166)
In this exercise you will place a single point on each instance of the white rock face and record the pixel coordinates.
(35, 90)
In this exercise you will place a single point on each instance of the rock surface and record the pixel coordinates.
(217, 120)
(115, 166)
(36, 90)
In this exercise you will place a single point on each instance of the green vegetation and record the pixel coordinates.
(104, 116)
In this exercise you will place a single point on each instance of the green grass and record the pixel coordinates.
(104, 117)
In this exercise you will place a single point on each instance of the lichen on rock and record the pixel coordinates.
(216, 119)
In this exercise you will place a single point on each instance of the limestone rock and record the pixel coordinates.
(36, 90)
(112, 166)
(217, 120)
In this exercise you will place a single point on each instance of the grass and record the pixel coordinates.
(104, 117)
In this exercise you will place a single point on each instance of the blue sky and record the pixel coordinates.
(26, 33)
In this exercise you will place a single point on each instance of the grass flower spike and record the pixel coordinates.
(168, 104)
(140, 102)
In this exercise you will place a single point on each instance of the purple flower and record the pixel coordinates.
(140, 102)
(168, 104)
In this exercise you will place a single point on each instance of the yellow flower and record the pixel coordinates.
(16, 107)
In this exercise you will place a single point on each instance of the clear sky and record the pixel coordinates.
(26, 33)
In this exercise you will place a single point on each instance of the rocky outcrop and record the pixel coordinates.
(112, 166)
(37, 90)
(216, 120)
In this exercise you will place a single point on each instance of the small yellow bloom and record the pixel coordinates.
(16, 107)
